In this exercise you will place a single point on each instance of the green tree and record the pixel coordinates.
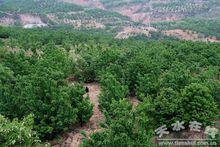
(147, 85)
(44, 91)
(7, 81)
(198, 104)
(82, 102)
(112, 89)
(123, 127)
(167, 107)
(176, 78)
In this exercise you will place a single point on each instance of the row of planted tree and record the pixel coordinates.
(174, 80)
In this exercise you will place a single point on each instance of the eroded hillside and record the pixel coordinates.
(122, 18)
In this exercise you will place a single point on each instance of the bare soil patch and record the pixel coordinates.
(30, 19)
(6, 21)
(132, 31)
(134, 101)
(189, 35)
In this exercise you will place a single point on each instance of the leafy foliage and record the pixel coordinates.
(111, 90)
(167, 107)
(33, 6)
(18, 133)
(203, 26)
(85, 108)
(198, 103)
(43, 91)
(174, 80)
(123, 128)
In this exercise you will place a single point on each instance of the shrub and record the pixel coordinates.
(48, 101)
(198, 104)
(7, 80)
(194, 103)
(176, 78)
(45, 92)
(166, 106)
(83, 105)
(147, 85)
(112, 89)
(123, 128)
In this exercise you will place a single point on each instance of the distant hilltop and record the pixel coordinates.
(121, 18)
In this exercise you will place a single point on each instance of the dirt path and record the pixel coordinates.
(75, 138)
(134, 101)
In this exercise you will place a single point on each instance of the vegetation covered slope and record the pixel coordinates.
(122, 18)
(196, 15)
(54, 12)
(174, 80)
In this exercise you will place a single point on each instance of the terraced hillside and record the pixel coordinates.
(123, 18)
(54, 12)
(200, 16)
(146, 11)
